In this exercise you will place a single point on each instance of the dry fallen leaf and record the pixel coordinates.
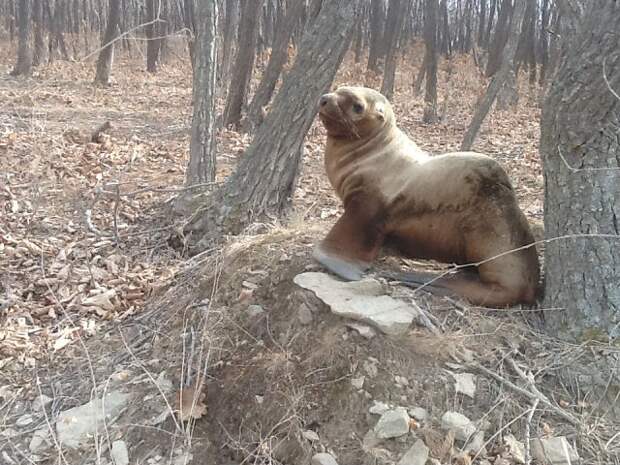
(190, 401)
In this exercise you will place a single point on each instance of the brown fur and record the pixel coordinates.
(457, 208)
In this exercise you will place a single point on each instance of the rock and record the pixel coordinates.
(476, 444)
(361, 300)
(24, 420)
(363, 330)
(459, 424)
(378, 408)
(418, 413)
(554, 451)
(119, 453)
(41, 402)
(74, 426)
(465, 383)
(515, 448)
(416, 455)
(358, 383)
(401, 380)
(370, 368)
(393, 423)
(370, 441)
(310, 435)
(304, 315)
(40, 440)
(323, 458)
(255, 310)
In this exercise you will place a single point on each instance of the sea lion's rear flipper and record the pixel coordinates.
(354, 241)
(463, 283)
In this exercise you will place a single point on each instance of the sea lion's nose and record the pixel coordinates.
(323, 100)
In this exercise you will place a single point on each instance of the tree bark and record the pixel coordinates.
(394, 26)
(580, 150)
(265, 179)
(430, 39)
(23, 65)
(231, 20)
(486, 101)
(39, 55)
(106, 55)
(377, 29)
(279, 55)
(502, 32)
(152, 30)
(244, 63)
(201, 167)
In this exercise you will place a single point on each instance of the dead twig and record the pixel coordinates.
(526, 393)
(528, 425)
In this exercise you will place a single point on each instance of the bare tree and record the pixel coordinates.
(263, 184)
(153, 34)
(106, 55)
(502, 32)
(580, 150)
(377, 30)
(39, 55)
(201, 166)
(23, 65)
(430, 58)
(279, 54)
(486, 101)
(393, 29)
(244, 63)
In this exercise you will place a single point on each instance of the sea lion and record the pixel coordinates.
(456, 208)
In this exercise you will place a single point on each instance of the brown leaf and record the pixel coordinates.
(190, 401)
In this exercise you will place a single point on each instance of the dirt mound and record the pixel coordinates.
(286, 379)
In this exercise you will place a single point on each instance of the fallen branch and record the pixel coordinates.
(529, 394)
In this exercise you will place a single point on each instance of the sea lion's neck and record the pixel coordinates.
(346, 149)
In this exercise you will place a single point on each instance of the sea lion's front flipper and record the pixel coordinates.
(354, 241)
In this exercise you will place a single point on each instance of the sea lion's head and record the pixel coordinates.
(355, 112)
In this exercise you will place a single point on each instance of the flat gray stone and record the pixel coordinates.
(119, 453)
(362, 300)
(515, 448)
(554, 451)
(393, 423)
(418, 413)
(459, 424)
(40, 440)
(77, 425)
(465, 383)
(378, 407)
(323, 458)
(416, 455)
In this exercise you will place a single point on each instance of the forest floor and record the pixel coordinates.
(94, 299)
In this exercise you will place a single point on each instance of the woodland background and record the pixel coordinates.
(162, 183)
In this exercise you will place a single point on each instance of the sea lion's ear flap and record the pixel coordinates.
(380, 110)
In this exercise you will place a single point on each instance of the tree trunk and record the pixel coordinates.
(486, 101)
(265, 179)
(544, 42)
(231, 20)
(502, 32)
(377, 26)
(23, 65)
(394, 26)
(481, 29)
(430, 39)
(39, 55)
(106, 55)
(153, 36)
(244, 63)
(201, 166)
(580, 150)
(279, 55)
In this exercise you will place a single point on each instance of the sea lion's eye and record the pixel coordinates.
(357, 108)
